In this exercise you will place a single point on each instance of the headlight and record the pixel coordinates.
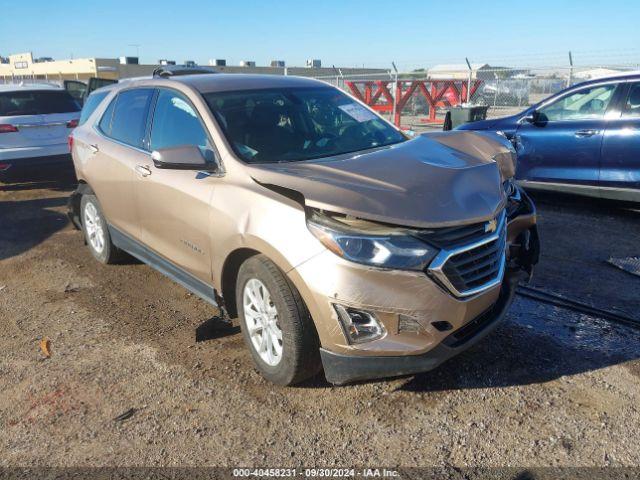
(369, 243)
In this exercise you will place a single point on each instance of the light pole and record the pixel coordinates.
(137, 45)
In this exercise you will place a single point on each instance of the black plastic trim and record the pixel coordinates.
(175, 273)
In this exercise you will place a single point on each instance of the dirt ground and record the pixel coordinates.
(551, 387)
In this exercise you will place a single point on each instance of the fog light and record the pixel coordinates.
(359, 326)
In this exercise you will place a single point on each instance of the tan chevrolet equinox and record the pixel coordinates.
(339, 242)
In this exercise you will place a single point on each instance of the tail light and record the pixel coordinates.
(70, 142)
(6, 128)
(72, 123)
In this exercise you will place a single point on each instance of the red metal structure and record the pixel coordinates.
(437, 93)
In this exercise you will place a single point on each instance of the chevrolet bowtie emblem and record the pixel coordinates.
(491, 226)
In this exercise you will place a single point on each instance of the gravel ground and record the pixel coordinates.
(551, 387)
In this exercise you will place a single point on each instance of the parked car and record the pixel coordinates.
(35, 121)
(339, 242)
(583, 140)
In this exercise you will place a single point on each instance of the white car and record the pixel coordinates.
(35, 123)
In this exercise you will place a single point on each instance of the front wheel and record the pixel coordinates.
(275, 323)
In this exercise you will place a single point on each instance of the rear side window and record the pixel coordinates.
(125, 119)
(90, 105)
(632, 105)
(176, 123)
(37, 102)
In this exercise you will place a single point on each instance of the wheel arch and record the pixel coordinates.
(229, 277)
(73, 204)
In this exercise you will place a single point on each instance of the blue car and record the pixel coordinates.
(583, 140)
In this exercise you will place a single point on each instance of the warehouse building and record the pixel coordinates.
(24, 66)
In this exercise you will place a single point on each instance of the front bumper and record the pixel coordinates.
(410, 306)
(340, 368)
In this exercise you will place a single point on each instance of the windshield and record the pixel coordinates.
(292, 124)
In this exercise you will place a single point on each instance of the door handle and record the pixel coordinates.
(94, 148)
(143, 170)
(587, 133)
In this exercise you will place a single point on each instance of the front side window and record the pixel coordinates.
(293, 124)
(90, 105)
(585, 104)
(176, 123)
(37, 102)
(129, 121)
(632, 105)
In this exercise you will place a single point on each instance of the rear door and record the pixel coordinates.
(36, 118)
(175, 205)
(117, 149)
(563, 145)
(620, 165)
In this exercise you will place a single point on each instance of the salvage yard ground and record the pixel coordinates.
(142, 372)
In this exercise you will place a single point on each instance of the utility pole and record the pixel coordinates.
(137, 46)
(395, 95)
(570, 69)
(468, 79)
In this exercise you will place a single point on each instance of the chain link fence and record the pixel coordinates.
(420, 99)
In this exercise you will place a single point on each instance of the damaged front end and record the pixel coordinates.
(477, 268)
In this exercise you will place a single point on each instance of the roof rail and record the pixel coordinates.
(166, 71)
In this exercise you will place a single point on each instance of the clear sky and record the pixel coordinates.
(340, 32)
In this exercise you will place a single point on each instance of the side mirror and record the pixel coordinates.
(531, 117)
(185, 157)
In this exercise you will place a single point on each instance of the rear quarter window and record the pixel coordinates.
(90, 105)
(37, 102)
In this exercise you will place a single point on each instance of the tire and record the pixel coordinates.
(299, 345)
(94, 226)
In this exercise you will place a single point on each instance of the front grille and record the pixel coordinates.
(451, 237)
(470, 266)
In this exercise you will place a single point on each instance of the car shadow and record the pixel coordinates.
(50, 178)
(579, 235)
(214, 328)
(28, 223)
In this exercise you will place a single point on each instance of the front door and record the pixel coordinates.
(620, 165)
(563, 144)
(174, 205)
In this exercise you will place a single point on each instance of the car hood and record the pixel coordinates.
(429, 181)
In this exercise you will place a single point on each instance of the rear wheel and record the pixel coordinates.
(96, 231)
(275, 323)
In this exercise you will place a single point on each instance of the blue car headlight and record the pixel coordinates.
(369, 243)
